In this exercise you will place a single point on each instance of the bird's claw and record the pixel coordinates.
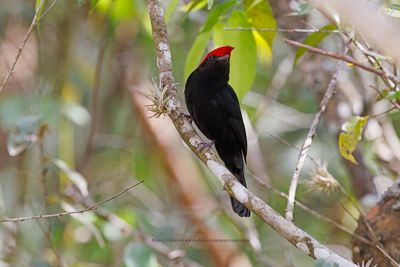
(204, 145)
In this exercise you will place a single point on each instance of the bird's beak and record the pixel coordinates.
(222, 58)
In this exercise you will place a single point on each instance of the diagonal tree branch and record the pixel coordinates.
(285, 228)
(309, 139)
(345, 58)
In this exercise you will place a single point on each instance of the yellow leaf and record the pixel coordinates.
(350, 136)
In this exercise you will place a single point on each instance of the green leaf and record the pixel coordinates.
(194, 5)
(139, 255)
(350, 136)
(39, 5)
(314, 39)
(244, 57)
(214, 15)
(389, 95)
(93, 3)
(260, 15)
(197, 50)
(117, 10)
(173, 4)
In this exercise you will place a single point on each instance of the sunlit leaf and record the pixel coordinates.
(76, 178)
(24, 135)
(139, 255)
(118, 10)
(194, 5)
(260, 15)
(264, 52)
(314, 39)
(244, 57)
(350, 136)
(198, 48)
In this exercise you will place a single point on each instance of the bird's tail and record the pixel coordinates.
(238, 207)
(235, 164)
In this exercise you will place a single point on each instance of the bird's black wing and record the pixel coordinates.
(230, 105)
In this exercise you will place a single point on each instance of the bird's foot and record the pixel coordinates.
(187, 116)
(204, 145)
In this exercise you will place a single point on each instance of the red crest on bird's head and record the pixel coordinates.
(220, 51)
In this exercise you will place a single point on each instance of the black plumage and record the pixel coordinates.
(214, 107)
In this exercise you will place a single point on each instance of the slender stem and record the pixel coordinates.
(343, 58)
(330, 91)
(23, 44)
(278, 30)
(61, 214)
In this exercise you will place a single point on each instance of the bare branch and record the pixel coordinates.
(285, 228)
(278, 30)
(343, 58)
(35, 21)
(309, 139)
(61, 214)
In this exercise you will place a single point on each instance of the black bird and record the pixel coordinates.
(214, 107)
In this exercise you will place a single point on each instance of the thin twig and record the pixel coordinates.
(343, 58)
(278, 30)
(22, 46)
(310, 137)
(387, 255)
(382, 113)
(60, 214)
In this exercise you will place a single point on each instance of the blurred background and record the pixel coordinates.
(75, 129)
